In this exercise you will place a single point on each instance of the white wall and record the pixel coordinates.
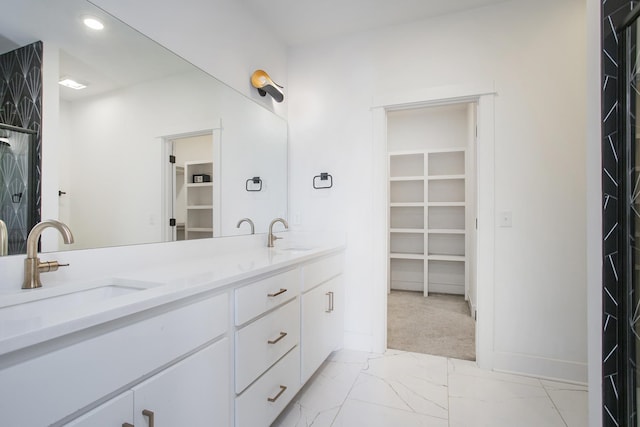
(540, 270)
(222, 37)
(427, 128)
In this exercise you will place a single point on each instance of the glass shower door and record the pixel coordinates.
(629, 221)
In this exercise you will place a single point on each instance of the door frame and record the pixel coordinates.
(483, 95)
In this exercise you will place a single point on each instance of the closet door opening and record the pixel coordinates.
(431, 286)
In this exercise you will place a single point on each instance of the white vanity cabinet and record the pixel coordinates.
(322, 312)
(231, 355)
(194, 391)
(78, 370)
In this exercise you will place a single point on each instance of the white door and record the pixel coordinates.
(321, 324)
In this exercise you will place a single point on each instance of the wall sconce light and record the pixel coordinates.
(261, 81)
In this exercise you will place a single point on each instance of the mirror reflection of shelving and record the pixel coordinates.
(199, 201)
(427, 211)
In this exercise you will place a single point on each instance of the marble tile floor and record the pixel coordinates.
(403, 389)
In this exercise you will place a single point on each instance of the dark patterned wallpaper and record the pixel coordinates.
(21, 106)
(613, 394)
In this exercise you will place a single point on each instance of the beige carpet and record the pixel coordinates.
(439, 324)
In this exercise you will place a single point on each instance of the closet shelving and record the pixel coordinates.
(427, 211)
(199, 197)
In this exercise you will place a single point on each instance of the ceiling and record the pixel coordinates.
(92, 58)
(114, 58)
(299, 22)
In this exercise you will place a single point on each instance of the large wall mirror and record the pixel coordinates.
(105, 149)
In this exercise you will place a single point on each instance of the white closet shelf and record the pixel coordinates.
(407, 205)
(407, 230)
(446, 204)
(443, 177)
(446, 258)
(406, 256)
(200, 184)
(445, 231)
(406, 178)
(200, 207)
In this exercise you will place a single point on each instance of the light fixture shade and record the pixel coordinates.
(261, 81)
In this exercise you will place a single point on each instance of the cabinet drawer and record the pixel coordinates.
(261, 343)
(109, 361)
(259, 297)
(320, 271)
(267, 397)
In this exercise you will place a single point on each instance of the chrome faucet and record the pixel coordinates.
(253, 229)
(4, 239)
(32, 265)
(271, 238)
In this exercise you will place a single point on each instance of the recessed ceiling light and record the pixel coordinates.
(67, 82)
(93, 23)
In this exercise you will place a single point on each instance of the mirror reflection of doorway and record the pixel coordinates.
(17, 185)
(192, 190)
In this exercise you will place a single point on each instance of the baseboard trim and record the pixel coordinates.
(405, 285)
(472, 309)
(540, 367)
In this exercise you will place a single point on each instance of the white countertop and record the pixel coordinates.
(165, 282)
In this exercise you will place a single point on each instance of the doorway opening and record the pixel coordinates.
(191, 186)
(431, 274)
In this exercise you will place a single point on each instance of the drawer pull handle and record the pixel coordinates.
(280, 292)
(127, 425)
(150, 414)
(282, 390)
(330, 295)
(282, 335)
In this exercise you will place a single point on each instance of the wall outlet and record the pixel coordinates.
(297, 218)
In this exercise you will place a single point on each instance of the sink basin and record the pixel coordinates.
(32, 309)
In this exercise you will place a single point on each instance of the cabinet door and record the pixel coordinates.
(321, 325)
(193, 392)
(115, 412)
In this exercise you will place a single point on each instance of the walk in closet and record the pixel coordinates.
(431, 199)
